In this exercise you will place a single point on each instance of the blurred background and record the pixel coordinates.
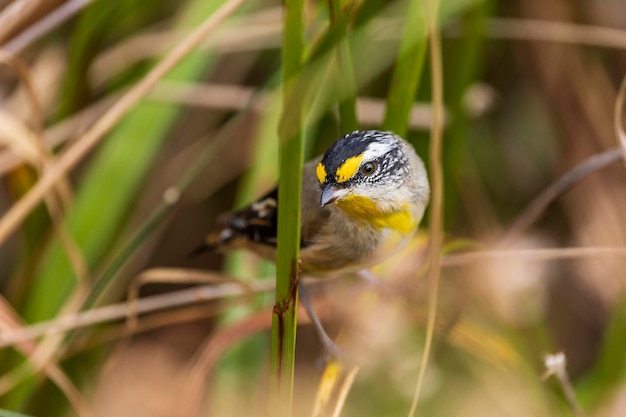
(530, 89)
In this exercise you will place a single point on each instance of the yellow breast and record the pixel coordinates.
(364, 209)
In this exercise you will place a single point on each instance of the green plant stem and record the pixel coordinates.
(283, 343)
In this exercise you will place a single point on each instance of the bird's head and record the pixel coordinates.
(365, 173)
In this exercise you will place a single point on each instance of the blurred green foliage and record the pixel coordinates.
(547, 107)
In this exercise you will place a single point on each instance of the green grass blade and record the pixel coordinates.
(368, 61)
(609, 372)
(408, 70)
(7, 413)
(345, 79)
(283, 344)
(464, 64)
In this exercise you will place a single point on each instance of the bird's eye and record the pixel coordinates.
(368, 168)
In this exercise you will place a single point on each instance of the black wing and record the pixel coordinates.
(257, 222)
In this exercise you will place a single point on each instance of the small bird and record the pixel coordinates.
(361, 203)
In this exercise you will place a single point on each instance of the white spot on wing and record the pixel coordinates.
(264, 208)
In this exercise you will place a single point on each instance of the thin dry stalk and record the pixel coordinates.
(119, 311)
(344, 389)
(45, 25)
(174, 276)
(552, 31)
(69, 159)
(46, 351)
(546, 254)
(333, 389)
(436, 172)
(46, 70)
(9, 321)
(214, 96)
(22, 71)
(243, 38)
(19, 136)
(60, 132)
(618, 116)
(255, 34)
(235, 97)
(117, 332)
(372, 112)
(124, 333)
(325, 388)
(17, 13)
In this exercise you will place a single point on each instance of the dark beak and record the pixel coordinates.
(330, 194)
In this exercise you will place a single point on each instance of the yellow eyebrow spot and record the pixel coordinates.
(321, 173)
(348, 168)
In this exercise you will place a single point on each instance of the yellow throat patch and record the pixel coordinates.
(364, 209)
